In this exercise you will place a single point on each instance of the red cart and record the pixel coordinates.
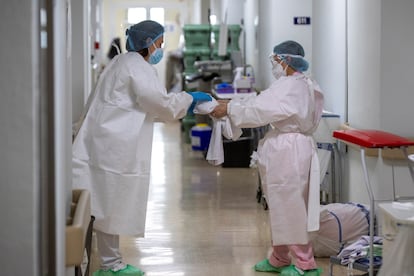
(367, 139)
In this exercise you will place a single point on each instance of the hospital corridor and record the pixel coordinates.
(202, 219)
(207, 138)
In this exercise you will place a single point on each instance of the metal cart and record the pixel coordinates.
(374, 139)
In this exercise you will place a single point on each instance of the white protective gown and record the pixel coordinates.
(112, 150)
(287, 156)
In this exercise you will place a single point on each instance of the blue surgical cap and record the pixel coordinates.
(292, 53)
(142, 35)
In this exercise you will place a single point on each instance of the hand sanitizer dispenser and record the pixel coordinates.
(241, 84)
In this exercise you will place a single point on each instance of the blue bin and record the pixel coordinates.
(200, 137)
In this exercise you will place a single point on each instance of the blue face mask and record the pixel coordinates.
(156, 56)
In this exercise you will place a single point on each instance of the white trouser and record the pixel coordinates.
(108, 247)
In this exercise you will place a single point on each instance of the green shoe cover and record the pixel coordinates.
(129, 270)
(102, 272)
(265, 266)
(293, 271)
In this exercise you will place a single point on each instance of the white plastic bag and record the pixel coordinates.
(340, 225)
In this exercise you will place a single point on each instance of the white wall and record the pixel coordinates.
(364, 63)
(203, 9)
(380, 88)
(329, 53)
(364, 33)
(234, 10)
(35, 137)
(397, 67)
(19, 122)
(81, 57)
(251, 20)
(61, 111)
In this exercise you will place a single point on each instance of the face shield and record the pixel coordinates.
(297, 62)
(275, 59)
(278, 70)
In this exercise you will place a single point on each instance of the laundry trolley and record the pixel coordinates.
(373, 139)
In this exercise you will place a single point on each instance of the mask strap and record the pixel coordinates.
(117, 48)
(289, 55)
(281, 58)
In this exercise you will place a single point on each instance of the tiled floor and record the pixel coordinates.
(202, 220)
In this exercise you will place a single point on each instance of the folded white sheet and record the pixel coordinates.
(221, 127)
(205, 107)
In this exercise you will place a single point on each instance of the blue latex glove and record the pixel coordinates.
(198, 97)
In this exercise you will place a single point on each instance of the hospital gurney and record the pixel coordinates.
(373, 139)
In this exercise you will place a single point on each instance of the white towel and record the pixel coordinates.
(221, 127)
(205, 107)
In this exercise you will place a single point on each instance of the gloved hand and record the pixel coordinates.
(198, 97)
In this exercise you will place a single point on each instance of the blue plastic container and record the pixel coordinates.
(200, 137)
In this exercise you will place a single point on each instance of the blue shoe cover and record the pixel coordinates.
(265, 266)
(129, 270)
(294, 271)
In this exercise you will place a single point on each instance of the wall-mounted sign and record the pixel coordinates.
(301, 20)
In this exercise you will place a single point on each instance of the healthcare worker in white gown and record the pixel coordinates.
(287, 160)
(112, 149)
